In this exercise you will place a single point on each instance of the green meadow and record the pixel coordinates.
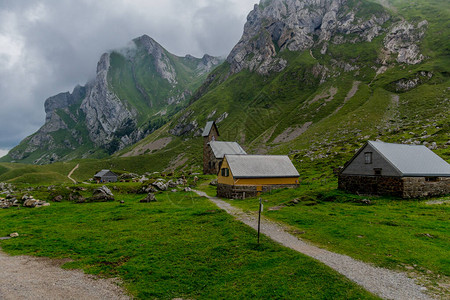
(181, 246)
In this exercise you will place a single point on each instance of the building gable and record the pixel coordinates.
(210, 130)
(378, 165)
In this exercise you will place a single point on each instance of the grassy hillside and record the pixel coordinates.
(324, 106)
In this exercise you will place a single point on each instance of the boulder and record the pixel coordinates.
(150, 198)
(77, 198)
(172, 184)
(14, 234)
(160, 185)
(30, 203)
(213, 182)
(150, 189)
(102, 194)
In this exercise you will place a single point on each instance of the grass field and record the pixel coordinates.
(405, 235)
(181, 246)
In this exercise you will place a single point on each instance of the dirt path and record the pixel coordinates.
(382, 282)
(25, 277)
(71, 172)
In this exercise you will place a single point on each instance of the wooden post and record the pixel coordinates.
(259, 217)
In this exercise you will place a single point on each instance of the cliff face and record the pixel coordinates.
(135, 91)
(103, 110)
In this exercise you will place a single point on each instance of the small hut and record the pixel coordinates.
(243, 176)
(214, 150)
(105, 176)
(407, 171)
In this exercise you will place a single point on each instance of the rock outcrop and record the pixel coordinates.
(402, 41)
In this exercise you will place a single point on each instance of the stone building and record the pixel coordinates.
(214, 150)
(243, 176)
(407, 171)
(105, 176)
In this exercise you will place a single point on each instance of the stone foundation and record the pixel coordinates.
(404, 187)
(247, 191)
(415, 187)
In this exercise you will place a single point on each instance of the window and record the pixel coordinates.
(368, 157)
(225, 172)
(377, 171)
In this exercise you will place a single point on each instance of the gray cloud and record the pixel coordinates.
(49, 46)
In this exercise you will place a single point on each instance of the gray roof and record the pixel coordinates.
(221, 148)
(208, 127)
(103, 173)
(412, 160)
(259, 166)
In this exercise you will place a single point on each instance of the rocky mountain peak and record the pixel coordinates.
(296, 25)
(162, 62)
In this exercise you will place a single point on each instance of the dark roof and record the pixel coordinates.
(261, 166)
(208, 128)
(221, 148)
(103, 173)
(412, 160)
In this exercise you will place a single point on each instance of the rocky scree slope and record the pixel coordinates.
(319, 78)
(135, 91)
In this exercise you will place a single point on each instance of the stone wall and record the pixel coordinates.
(247, 191)
(415, 187)
(372, 185)
(405, 187)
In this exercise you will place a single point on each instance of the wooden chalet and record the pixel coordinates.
(243, 176)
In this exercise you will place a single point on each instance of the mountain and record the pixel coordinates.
(314, 79)
(136, 90)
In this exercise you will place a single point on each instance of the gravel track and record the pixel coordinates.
(385, 283)
(71, 172)
(33, 278)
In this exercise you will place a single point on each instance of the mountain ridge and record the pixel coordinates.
(370, 72)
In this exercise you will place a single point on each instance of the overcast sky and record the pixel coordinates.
(49, 46)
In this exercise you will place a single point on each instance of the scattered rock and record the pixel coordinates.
(366, 202)
(150, 198)
(432, 146)
(57, 198)
(275, 208)
(29, 201)
(187, 189)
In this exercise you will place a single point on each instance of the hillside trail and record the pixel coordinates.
(71, 172)
(385, 283)
(34, 278)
